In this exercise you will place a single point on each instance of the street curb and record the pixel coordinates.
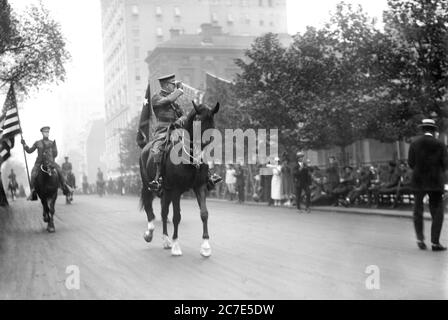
(359, 211)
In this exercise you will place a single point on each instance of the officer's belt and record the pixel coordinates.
(162, 122)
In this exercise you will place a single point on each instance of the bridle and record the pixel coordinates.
(46, 171)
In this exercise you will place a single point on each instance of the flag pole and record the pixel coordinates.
(21, 137)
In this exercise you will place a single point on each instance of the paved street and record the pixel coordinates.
(258, 253)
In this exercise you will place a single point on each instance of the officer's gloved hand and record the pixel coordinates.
(179, 123)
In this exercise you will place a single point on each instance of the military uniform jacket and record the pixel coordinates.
(67, 167)
(165, 112)
(44, 146)
(429, 160)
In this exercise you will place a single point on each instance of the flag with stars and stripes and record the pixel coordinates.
(9, 125)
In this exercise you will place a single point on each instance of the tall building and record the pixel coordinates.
(132, 28)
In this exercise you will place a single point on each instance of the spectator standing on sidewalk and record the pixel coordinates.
(230, 180)
(240, 183)
(333, 173)
(276, 186)
(287, 181)
(302, 181)
(428, 158)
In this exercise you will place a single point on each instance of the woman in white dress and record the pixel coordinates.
(276, 185)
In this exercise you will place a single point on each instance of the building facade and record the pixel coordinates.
(132, 28)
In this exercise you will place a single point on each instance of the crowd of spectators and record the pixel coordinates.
(281, 184)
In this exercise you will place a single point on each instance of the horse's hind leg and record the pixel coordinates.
(201, 196)
(147, 198)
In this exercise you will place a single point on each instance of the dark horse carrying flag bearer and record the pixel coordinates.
(45, 149)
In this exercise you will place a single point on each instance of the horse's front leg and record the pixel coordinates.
(201, 196)
(165, 202)
(176, 250)
(51, 203)
(45, 210)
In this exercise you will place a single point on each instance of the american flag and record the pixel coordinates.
(9, 125)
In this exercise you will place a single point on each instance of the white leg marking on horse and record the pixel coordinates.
(167, 243)
(150, 232)
(206, 250)
(176, 250)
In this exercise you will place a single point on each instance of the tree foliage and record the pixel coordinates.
(350, 80)
(129, 150)
(33, 51)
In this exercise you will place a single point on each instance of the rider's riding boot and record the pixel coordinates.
(66, 190)
(156, 184)
(32, 196)
(213, 180)
(33, 193)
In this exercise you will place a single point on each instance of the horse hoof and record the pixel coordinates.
(175, 250)
(206, 250)
(51, 230)
(167, 243)
(46, 219)
(148, 235)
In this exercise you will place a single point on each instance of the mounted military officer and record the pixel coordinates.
(44, 147)
(167, 112)
(67, 167)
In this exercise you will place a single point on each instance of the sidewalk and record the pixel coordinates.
(397, 213)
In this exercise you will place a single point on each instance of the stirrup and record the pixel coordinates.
(155, 185)
(32, 196)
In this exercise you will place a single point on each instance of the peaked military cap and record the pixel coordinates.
(167, 77)
(45, 129)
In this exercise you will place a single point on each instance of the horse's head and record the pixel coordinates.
(203, 114)
(47, 164)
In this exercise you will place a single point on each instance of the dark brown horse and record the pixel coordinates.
(47, 184)
(177, 179)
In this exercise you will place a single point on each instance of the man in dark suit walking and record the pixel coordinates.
(428, 158)
(302, 181)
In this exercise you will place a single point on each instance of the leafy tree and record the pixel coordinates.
(129, 150)
(416, 68)
(337, 68)
(261, 87)
(36, 53)
(7, 25)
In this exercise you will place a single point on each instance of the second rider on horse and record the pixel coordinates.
(45, 148)
(167, 113)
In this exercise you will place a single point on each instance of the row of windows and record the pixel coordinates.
(245, 3)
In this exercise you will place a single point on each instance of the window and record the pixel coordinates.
(159, 32)
(135, 10)
(177, 12)
(158, 11)
(137, 74)
(247, 19)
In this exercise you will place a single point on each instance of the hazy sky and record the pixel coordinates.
(81, 23)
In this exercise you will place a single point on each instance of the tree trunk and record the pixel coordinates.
(344, 158)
